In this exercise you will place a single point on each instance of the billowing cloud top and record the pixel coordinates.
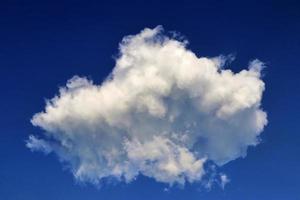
(163, 113)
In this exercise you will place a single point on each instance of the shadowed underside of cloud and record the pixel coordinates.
(163, 113)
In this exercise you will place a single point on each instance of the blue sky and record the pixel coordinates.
(44, 44)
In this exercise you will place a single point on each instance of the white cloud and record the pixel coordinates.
(163, 112)
(224, 180)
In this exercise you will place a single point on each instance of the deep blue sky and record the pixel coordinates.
(44, 43)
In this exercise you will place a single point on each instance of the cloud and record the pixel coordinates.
(224, 180)
(163, 112)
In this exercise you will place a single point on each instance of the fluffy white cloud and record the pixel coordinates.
(163, 113)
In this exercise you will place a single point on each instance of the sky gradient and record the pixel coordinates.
(46, 43)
